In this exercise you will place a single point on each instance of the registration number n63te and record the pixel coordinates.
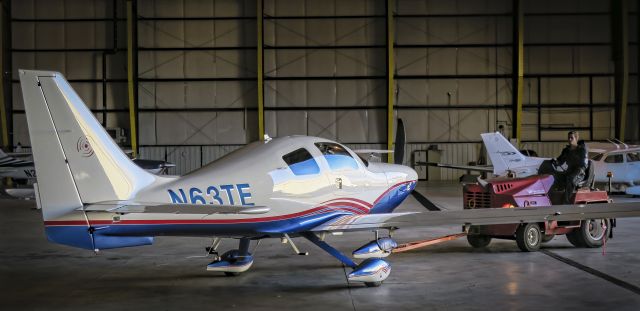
(231, 194)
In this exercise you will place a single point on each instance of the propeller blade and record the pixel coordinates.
(425, 202)
(398, 153)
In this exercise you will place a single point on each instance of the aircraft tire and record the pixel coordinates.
(529, 237)
(232, 273)
(478, 241)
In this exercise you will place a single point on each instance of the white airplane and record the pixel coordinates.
(16, 168)
(507, 160)
(94, 197)
(622, 162)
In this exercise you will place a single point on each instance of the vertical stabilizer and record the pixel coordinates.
(504, 156)
(76, 160)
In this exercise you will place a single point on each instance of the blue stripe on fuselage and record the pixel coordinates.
(393, 198)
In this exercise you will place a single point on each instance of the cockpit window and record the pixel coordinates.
(337, 156)
(301, 162)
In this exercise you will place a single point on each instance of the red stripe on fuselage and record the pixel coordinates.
(365, 203)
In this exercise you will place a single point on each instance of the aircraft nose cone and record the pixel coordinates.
(411, 174)
(400, 173)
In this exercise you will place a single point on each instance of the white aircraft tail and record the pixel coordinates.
(76, 160)
(504, 156)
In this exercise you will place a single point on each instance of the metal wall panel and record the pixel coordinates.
(153, 152)
(458, 153)
(32, 42)
(200, 128)
(212, 153)
(445, 125)
(325, 84)
(186, 159)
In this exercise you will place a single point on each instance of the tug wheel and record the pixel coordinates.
(529, 237)
(373, 284)
(478, 241)
(591, 234)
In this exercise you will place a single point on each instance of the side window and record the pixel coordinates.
(337, 157)
(614, 158)
(633, 156)
(301, 162)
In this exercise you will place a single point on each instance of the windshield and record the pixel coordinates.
(337, 156)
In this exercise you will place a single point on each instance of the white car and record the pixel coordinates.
(624, 165)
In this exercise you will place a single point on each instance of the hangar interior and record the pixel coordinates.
(202, 72)
(190, 81)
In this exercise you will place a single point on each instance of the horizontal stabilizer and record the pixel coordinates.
(370, 151)
(168, 208)
(475, 168)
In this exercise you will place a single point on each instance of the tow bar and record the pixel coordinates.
(423, 243)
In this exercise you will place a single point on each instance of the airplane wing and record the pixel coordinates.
(485, 216)
(477, 168)
(126, 207)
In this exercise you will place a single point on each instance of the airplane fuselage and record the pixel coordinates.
(299, 195)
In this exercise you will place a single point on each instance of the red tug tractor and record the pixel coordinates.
(536, 190)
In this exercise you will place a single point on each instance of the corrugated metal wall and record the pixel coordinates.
(325, 67)
(72, 37)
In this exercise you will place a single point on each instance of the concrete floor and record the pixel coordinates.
(170, 275)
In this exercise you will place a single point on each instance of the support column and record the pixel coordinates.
(5, 81)
(620, 53)
(390, 73)
(517, 69)
(132, 73)
(260, 62)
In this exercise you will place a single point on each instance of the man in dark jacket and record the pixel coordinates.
(574, 155)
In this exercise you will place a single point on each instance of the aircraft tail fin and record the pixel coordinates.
(504, 156)
(76, 160)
